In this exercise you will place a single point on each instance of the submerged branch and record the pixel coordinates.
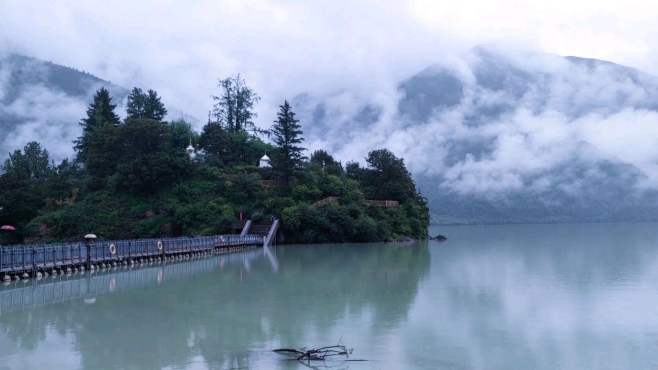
(316, 354)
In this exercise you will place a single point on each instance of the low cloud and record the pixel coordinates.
(47, 117)
(524, 121)
(534, 124)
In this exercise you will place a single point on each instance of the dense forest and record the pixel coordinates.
(143, 176)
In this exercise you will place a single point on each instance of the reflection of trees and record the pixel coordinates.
(224, 314)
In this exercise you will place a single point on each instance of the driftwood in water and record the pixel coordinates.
(315, 354)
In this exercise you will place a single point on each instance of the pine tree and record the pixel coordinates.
(135, 104)
(99, 113)
(145, 105)
(287, 135)
(33, 163)
(153, 106)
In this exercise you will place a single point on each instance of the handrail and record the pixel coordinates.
(33, 257)
(270, 235)
(246, 228)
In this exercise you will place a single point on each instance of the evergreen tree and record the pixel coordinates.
(32, 163)
(328, 165)
(135, 107)
(234, 108)
(182, 134)
(215, 142)
(98, 144)
(145, 105)
(223, 148)
(387, 177)
(153, 106)
(147, 159)
(99, 113)
(24, 185)
(287, 135)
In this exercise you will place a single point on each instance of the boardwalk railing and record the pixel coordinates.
(31, 258)
(89, 286)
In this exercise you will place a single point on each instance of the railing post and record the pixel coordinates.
(88, 247)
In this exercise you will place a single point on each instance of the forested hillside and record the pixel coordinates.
(144, 176)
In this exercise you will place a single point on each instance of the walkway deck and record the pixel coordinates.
(30, 259)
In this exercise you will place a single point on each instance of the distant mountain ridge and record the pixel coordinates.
(496, 137)
(502, 137)
(44, 101)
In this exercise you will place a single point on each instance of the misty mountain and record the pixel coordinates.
(44, 101)
(490, 136)
(510, 137)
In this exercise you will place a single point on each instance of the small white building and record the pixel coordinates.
(190, 151)
(265, 162)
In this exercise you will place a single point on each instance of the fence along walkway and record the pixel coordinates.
(33, 259)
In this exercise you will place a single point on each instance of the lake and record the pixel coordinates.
(491, 297)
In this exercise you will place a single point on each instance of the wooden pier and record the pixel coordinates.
(37, 260)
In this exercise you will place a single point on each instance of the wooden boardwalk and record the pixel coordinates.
(35, 260)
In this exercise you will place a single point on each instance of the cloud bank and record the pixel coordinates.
(513, 120)
(517, 129)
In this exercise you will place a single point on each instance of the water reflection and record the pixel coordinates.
(495, 297)
(23, 294)
(543, 297)
(216, 313)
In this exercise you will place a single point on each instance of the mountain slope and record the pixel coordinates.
(44, 101)
(511, 137)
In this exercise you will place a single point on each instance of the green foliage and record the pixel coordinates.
(287, 136)
(153, 106)
(135, 179)
(322, 160)
(24, 185)
(147, 157)
(99, 156)
(234, 107)
(135, 104)
(387, 177)
(182, 134)
(224, 148)
(145, 105)
(32, 163)
(99, 114)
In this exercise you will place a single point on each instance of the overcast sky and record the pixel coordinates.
(284, 47)
(350, 53)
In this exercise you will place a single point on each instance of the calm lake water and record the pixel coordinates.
(492, 297)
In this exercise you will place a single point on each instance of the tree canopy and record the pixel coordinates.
(145, 105)
(287, 136)
(234, 107)
(100, 115)
(134, 178)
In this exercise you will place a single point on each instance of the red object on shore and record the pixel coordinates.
(7, 228)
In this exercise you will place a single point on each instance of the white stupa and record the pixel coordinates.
(264, 162)
(190, 151)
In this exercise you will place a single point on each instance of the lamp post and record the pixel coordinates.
(89, 239)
